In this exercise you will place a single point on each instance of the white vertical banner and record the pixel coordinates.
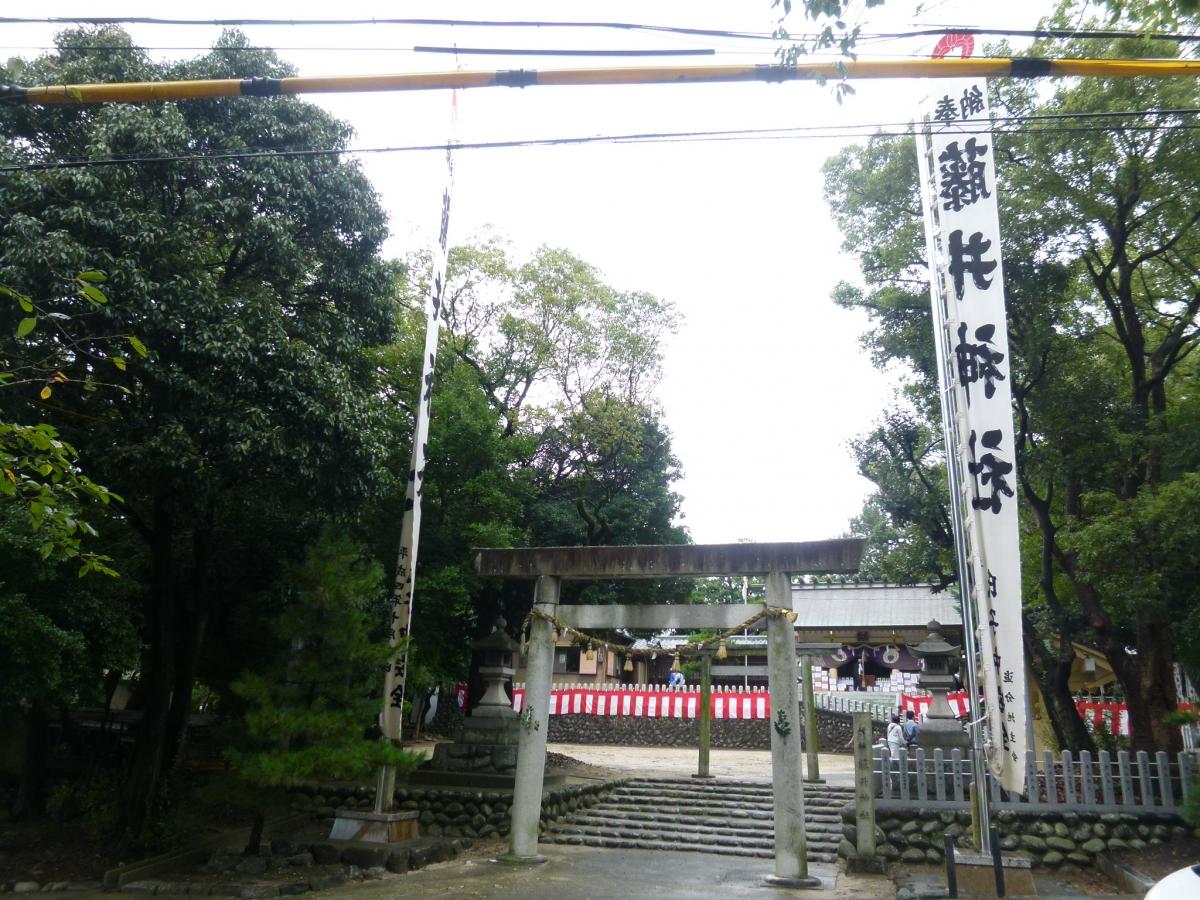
(410, 526)
(967, 286)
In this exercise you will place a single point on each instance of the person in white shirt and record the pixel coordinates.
(895, 737)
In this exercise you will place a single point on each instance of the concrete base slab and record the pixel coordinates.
(698, 775)
(382, 828)
(814, 781)
(876, 865)
(509, 859)
(809, 882)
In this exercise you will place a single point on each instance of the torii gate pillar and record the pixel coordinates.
(535, 722)
(791, 845)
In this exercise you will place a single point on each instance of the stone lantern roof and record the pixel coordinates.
(497, 640)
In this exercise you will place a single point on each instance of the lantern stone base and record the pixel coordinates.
(483, 755)
(383, 828)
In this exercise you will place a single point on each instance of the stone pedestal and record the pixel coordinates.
(384, 828)
(483, 746)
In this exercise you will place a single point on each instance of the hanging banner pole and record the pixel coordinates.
(396, 676)
(958, 190)
(981, 811)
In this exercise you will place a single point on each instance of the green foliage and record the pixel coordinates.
(39, 472)
(58, 634)
(242, 296)
(309, 711)
(1190, 811)
(541, 433)
(1101, 255)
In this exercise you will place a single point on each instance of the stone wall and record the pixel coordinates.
(834, 731)
(453, 812)
(1048, 839)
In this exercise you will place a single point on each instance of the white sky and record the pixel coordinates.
(765, 382)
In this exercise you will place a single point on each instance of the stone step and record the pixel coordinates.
(725, 784)
(719, 787)
(707, 805)
(676, 811)
(723, 816)
(818, 843)
(814, 855)
(716, 801)
(611, 819)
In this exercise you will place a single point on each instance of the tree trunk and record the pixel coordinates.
(31, 792)
(158, 680)
(254, 842)
(1053, 673)
(1149, 682)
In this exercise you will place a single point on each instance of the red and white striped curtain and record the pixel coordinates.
(651, 701)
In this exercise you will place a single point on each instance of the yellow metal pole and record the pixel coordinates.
(141, 92)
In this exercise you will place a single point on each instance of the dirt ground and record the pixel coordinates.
(1160, 860)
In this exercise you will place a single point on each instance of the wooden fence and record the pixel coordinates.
(1129, 783)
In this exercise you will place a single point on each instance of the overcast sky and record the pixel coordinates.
(766, 381)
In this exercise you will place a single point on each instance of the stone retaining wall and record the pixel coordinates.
(1049, 839)
(453, 812)
(834, 731)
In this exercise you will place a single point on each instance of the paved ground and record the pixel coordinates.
(755, 764)
(587, 873)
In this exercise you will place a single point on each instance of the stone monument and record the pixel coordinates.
(484, 753)
(941, 728)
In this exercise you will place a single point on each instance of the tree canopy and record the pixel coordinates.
(1100, 246)
(224, 347)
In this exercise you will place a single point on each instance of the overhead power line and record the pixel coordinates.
(139, 92)
(1055, 33)
(458, 23)
(1015, 125)
(511, 51)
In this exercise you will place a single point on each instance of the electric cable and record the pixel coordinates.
(679, 137)
(1054, 33)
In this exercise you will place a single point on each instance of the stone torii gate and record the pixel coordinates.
(777, 562)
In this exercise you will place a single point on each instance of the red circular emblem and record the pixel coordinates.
(948, 43)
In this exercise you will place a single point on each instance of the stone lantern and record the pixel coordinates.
(484, 753)
(497, 663)
(940, 728)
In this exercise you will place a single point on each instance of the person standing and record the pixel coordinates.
(895, 738)
(912, 730)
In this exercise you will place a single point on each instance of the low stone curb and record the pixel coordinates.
(1124, 876)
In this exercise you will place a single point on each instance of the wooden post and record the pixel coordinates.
(705, 714)
(813, 775)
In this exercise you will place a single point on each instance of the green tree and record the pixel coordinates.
(1100, 254)
(309, 711)
(62, 639)
(542, 431)
(256, 284)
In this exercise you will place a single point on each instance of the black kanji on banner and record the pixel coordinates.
(962, 174)
(967, 259)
